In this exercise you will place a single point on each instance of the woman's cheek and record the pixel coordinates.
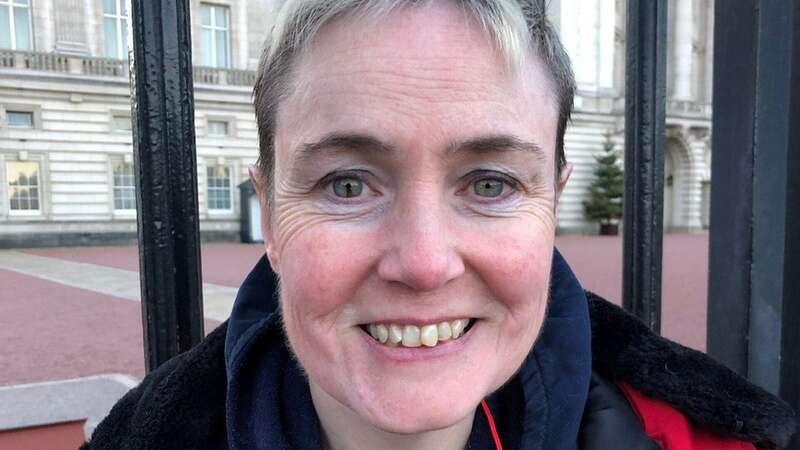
(323, 266)
(310, 295)
(517, 276)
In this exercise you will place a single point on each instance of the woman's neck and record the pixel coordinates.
(343, 429)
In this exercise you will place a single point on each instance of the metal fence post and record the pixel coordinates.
(166, 178)
(754, 254)
(645, 103)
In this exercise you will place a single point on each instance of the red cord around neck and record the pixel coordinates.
(492, 426)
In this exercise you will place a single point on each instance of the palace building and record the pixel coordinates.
(66, 158)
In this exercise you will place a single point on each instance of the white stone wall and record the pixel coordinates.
(75, 145)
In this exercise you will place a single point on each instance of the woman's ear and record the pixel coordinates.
(566, 171)
(266, 217)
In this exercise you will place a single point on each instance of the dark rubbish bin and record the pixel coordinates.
(250, 219)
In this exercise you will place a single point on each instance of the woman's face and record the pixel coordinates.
(414, 186)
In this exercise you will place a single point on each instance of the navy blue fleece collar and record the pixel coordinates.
(269, 404)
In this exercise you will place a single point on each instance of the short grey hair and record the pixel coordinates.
(518, 28)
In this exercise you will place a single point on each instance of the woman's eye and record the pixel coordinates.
(488, 187)
(347, 187)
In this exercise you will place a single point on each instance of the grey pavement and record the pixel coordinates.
(89, 398)
(217, 300)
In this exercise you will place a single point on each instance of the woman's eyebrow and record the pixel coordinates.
(498, 143)
(342, 141)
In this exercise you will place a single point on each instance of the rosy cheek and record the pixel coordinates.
(519, 274)
(322, 269)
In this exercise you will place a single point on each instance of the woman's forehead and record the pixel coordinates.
(430, 75)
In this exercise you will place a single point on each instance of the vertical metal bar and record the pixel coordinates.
(730, 238)
(754, 254)
(769, 189)
(790, 339)
(166, 178)
(645, 103)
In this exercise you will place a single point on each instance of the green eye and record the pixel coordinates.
(347, 187)
(488, 187)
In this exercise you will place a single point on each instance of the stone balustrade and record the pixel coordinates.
(615, 104)
(691, 109)
(110, 67)
(225, 77)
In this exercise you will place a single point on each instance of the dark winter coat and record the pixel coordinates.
(636, 381)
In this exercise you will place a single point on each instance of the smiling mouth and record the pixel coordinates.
(431, 335)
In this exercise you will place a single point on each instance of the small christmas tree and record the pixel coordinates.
(605, 199)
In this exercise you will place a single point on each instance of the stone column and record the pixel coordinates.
(684, 30)
(242, 36)
(708, 83)
(70, 27)
(606, 29)
(43, 17)
(698, 140)
(619, 47)
(579, 32)
(90, 18)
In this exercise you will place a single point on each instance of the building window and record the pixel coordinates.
(115, 26)
(23, 186)
(124, 187)
(120, 123)
(20, 119)
(217, 128)
(15, 25)
(219, 188)
(214, 23)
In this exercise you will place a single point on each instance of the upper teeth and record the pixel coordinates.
(414, 336)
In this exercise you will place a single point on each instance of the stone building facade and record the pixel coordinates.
(593, 32)
(66, 172)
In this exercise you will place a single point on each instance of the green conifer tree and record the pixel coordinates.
(605, 193)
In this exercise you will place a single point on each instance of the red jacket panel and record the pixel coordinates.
(672, 430)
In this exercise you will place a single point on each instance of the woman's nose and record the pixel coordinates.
(422, 252)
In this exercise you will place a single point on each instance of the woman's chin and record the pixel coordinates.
(422, 421)
(419, 407)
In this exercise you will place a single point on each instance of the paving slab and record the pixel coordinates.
(86, 399)
(217, 300)
(225, 264)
